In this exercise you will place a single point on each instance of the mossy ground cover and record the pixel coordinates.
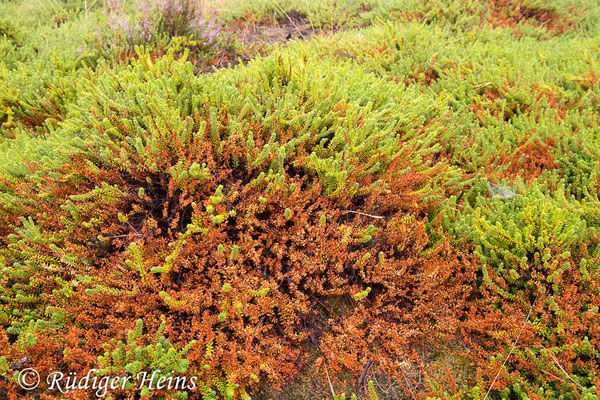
(302, 199)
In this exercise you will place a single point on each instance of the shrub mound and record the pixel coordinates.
(403, 210)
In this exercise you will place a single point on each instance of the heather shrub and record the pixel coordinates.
(193, 199)
(42, 63)
(134, 357)
(179, 18)
(412, 204)
(157, 23)
(520, 237)
(539, 264)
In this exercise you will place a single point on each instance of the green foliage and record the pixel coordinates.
(143, 353)
(528, 232)
(360, 296)
(370, 395)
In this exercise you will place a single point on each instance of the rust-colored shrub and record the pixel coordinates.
(531, 159)
(270, 272)
(510, 13)
(271, 264)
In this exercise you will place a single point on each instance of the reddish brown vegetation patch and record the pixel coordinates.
(555, 103)
(532, 158)
(551, 346)
(511, 12)
(588, 81)
(272, 285)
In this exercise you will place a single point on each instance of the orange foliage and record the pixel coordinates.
(291, 257)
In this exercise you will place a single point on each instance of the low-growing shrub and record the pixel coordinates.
(262, 251)
(412, 204)
(158, 21)
(539, 265)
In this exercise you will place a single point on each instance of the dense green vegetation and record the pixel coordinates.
(303, 199)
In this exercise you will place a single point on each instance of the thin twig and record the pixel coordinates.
(291, 20)
(365, 214)
(329, 380)
(118, 236)
(561, 368)
(365, 371)
(558, 378)
(512, 348)
(482, 85)
(386, 391)
(44, 7)
(338, 54)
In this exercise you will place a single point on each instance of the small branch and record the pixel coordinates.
(512, 348)
(291, 20)
(329, 380)
(558, 378)
(119, 236)
(135, 230)
(365, 214)
(482, 85)
(338, 54)
(385, 391)
(365, 372)
(561, 368)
